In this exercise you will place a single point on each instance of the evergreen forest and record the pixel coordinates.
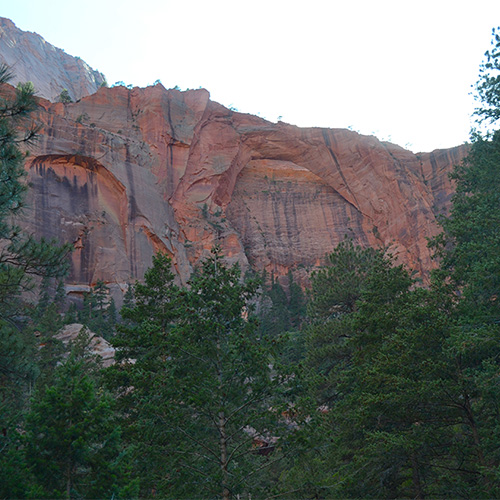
(373, 383)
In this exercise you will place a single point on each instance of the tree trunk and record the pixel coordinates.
(226, 495)
(475, 432)
(68, 482)
(419, 493)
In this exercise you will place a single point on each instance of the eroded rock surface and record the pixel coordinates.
(126, 172)
(97, 345)
(50, 69)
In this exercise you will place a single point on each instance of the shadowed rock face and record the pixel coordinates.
(51, 70)
(126, 172)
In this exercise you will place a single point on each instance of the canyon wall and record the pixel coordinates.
(50, 69)
(124, 173)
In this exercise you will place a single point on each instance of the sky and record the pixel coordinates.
(400, 70)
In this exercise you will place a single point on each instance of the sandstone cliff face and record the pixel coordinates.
(126, 172)
(51, 70)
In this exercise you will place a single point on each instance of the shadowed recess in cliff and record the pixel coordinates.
(285, 215)
(76, 199)
(309, 148)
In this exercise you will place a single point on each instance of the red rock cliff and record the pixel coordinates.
(126, 172)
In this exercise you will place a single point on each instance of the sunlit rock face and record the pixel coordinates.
(97, 345)
(124, 173)
(50, 69)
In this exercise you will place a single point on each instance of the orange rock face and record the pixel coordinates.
(126, 172)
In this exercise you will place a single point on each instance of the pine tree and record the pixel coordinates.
(488, 84)
(60, 297)
(65, 97)
(406, 389)
(205, 403)
(280, 313)
(21, 258)
(275, 316)
(229, 394)
(72, 442)
(296, 304)
(44, 298)
(143, 347)
(469, 249)
(99, 311)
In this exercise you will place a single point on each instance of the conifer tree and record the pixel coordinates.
(205, 409)
(72, 441)
(406, 385)
(60, 297)
(21, 257)
(296, 303)
(143, 348)
(99, 311)
(275, 316)
(469, 249)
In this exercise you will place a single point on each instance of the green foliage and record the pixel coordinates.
(99, 311)
(64, 97)
(47, 315)
(13, 114)
(14, 473)
(405, 379)
(20, 255)
(470, 244)
(72, 441)
(488, 85)
(143, 348)
(280, 313)
(338, 346)
(275, 315)
(296, 303)
(399, 384)
(469, 251)
(47, 320)
(60, 297)
(204, 412)
(336, 288)
(84, 117)
(406, 389)
(18, 371)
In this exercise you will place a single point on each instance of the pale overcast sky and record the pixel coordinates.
(401, 70)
